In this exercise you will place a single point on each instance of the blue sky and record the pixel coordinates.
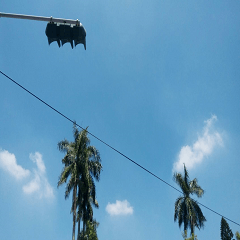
(159, 81)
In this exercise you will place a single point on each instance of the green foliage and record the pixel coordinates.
(91, 231)
(187, 210)
(82, 164)
(226, 232)
(193, 237)
(238, 235)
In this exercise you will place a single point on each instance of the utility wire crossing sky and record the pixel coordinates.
(160, 82)
(109, 206)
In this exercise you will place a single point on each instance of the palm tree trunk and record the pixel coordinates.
(79, 220)
(79, 212)
(84, 227)
(192, 225)
(74, 212)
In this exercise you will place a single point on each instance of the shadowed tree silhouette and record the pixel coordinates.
(187, 210)
(226, 232)
(82, 164)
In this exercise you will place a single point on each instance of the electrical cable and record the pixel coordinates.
(114, 149)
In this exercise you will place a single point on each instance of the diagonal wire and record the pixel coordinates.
(114, 149)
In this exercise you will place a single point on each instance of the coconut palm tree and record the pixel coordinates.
(86, 187)
(187, 210)
(82, 163)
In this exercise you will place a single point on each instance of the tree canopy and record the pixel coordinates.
(226, 232)
(187, 210)
(82, 164)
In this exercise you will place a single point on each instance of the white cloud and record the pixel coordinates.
(39, 184)
(37, 158)
(33, 186)
(203, 147)
(9, 164)
(119, 208)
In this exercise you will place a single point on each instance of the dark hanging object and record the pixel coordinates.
(52, 32)
(79, 35)
(65, 34)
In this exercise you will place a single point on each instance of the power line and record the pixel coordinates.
(114, 149)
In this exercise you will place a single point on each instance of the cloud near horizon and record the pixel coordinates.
(119, 208)
(202, 148)
(39, 184)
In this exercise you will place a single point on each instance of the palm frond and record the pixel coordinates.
(70, 186)
(195, 188)
(92, 189)
(179, 179)
(200, 219)
(186, 177)
(95, 155)
(64, 175)
(75, 131)
(177, 207)
(184, 213)
(63, 146)
(95, 168)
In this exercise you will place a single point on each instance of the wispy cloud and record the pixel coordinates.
(119, 208)
(203, 147)
(8, 163)
(39, 184)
